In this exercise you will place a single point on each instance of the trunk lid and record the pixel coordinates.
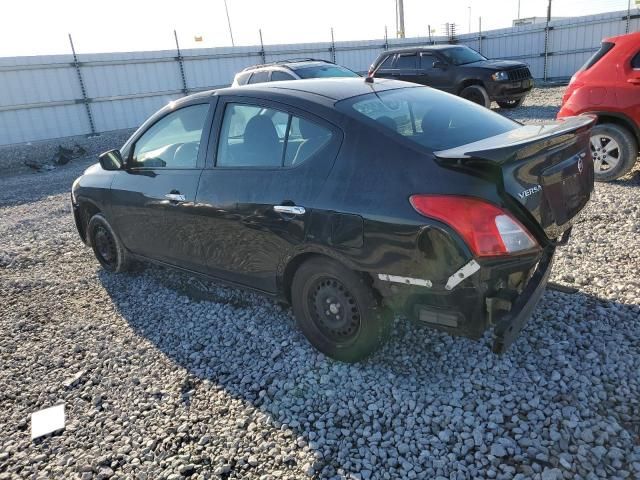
(545, 169)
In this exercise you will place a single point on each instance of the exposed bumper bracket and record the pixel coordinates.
(463, 272)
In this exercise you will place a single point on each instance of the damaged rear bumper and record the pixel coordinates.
(496, 293)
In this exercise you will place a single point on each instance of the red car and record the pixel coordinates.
(608, 85)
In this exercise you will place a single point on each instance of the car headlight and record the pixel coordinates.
(500, 76)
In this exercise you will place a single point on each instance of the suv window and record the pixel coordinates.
(243, 77)
(259, 76)
(173, 141)
(428, 117)
(426, 61)
(408, 61)
(277, 75)
(635, 61)
(253, 136)
(387, 63)
(595, 58)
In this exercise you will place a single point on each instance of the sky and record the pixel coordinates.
(39, 27)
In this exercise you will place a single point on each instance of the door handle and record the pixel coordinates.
(175, 197)
(634, 81)
(289, 209)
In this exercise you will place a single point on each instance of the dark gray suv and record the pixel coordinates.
(460, 70)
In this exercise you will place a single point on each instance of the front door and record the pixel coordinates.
(439, 76)
(255, 204)
(153, 198)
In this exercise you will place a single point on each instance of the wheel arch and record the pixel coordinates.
(468, 82)
(293, 263)
(619, 119)
(86, 209)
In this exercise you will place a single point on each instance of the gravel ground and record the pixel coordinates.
(165, 376)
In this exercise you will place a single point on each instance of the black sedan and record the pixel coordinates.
(351, 199)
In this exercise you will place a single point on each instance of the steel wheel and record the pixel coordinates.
(105, 245)
(334, 310)
(605, 152)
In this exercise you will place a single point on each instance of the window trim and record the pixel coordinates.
(204, 136)
(211, 161)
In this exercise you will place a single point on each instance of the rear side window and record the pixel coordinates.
(407, 61)
(387, 63)
(595, 58)
(259, 77)
(254, 136)
(243, 77)
(428, 117)
(635, 61)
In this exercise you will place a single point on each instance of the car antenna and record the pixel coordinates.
(368, 79)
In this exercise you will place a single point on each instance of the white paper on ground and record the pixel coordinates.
(47, 421)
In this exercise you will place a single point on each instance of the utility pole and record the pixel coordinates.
(400, 17)
(226, 8)
(469, 31)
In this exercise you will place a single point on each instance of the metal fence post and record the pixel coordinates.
(546, 42)
(86, 100)
(263, 54)
(185, 90)
(386, 39)
(429, 28)
(333, 48)
(480, 35)
(626, 30)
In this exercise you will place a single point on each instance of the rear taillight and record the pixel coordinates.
(487, 229)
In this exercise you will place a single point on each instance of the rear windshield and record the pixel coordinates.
(428, 117)
(604, 49)
(323, 71)
(462, 55)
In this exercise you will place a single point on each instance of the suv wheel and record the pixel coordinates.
(476, 94)
(516, 102)
(614, 151)
(337, 311)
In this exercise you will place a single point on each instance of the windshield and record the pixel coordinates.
(324, 71)
(462, 55)
(428, 117)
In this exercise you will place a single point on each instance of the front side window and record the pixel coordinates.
(173, 141)
(277, 75)
(428, 117)
(406, 62)
(325, 71)
(253, 136)
(426, 61)
(462, 55)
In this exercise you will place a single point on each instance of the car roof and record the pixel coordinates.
(290, 64)
(332, 89)
(422, 48)
(629, 37)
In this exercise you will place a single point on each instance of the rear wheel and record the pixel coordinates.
(337, 310)
(614, 151)
(476, 94)
(106, 246)
(516, 102)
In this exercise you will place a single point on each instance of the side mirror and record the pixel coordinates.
(439, 64)
(111, 160)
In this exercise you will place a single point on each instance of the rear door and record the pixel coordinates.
(152, 198)
(256, 198)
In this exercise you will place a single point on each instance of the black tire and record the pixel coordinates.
(476, 94)
(106, 245)
(361, 324)
(612, 163)
(515, 103)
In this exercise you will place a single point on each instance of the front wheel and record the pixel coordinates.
(106, 245)
(476, 94)
(614, 151)
(514, 103)
(337, 310)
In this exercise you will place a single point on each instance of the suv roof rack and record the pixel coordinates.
(289, 60)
